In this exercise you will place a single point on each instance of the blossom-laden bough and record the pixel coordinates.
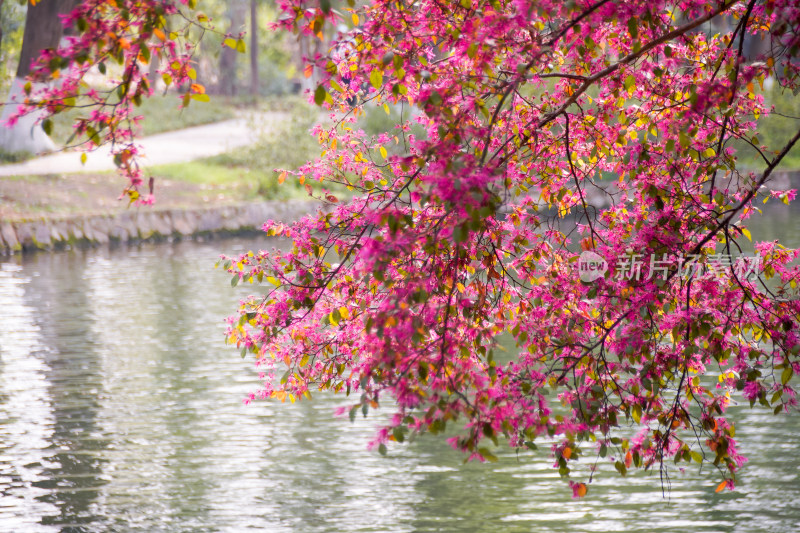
(102, 70)
(621, 117)
(551, 128)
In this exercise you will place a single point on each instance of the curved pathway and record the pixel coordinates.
(170, 147)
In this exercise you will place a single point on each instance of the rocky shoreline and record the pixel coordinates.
(144, 224)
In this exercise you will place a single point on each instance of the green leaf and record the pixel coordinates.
(47, 126)
(633, 27)
(486, 454)
(376, 78)
(787, 373)
(235, 281)
(319, 95)
(746, 233)
(460, 234)
(335, 86)
(382, 449)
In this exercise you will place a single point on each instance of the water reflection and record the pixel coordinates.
(121, 409)
(77, 445)
(25, 407)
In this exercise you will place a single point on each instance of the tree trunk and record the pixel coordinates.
(227, 58)
(254, 88)
(43, 30)
(1, 27)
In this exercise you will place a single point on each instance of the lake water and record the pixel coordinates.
(121, 410)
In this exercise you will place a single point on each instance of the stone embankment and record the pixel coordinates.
(144, 224)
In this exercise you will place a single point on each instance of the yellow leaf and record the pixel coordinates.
(746, 233)
(355, 19)
(382, 150)
(344, 312)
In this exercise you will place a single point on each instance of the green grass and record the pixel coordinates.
(13, 157)
(161, 113)
(287, 146)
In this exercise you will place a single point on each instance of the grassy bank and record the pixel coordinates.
(244, 174)
(287, 145)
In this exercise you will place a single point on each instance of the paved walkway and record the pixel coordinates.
(170, 147)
